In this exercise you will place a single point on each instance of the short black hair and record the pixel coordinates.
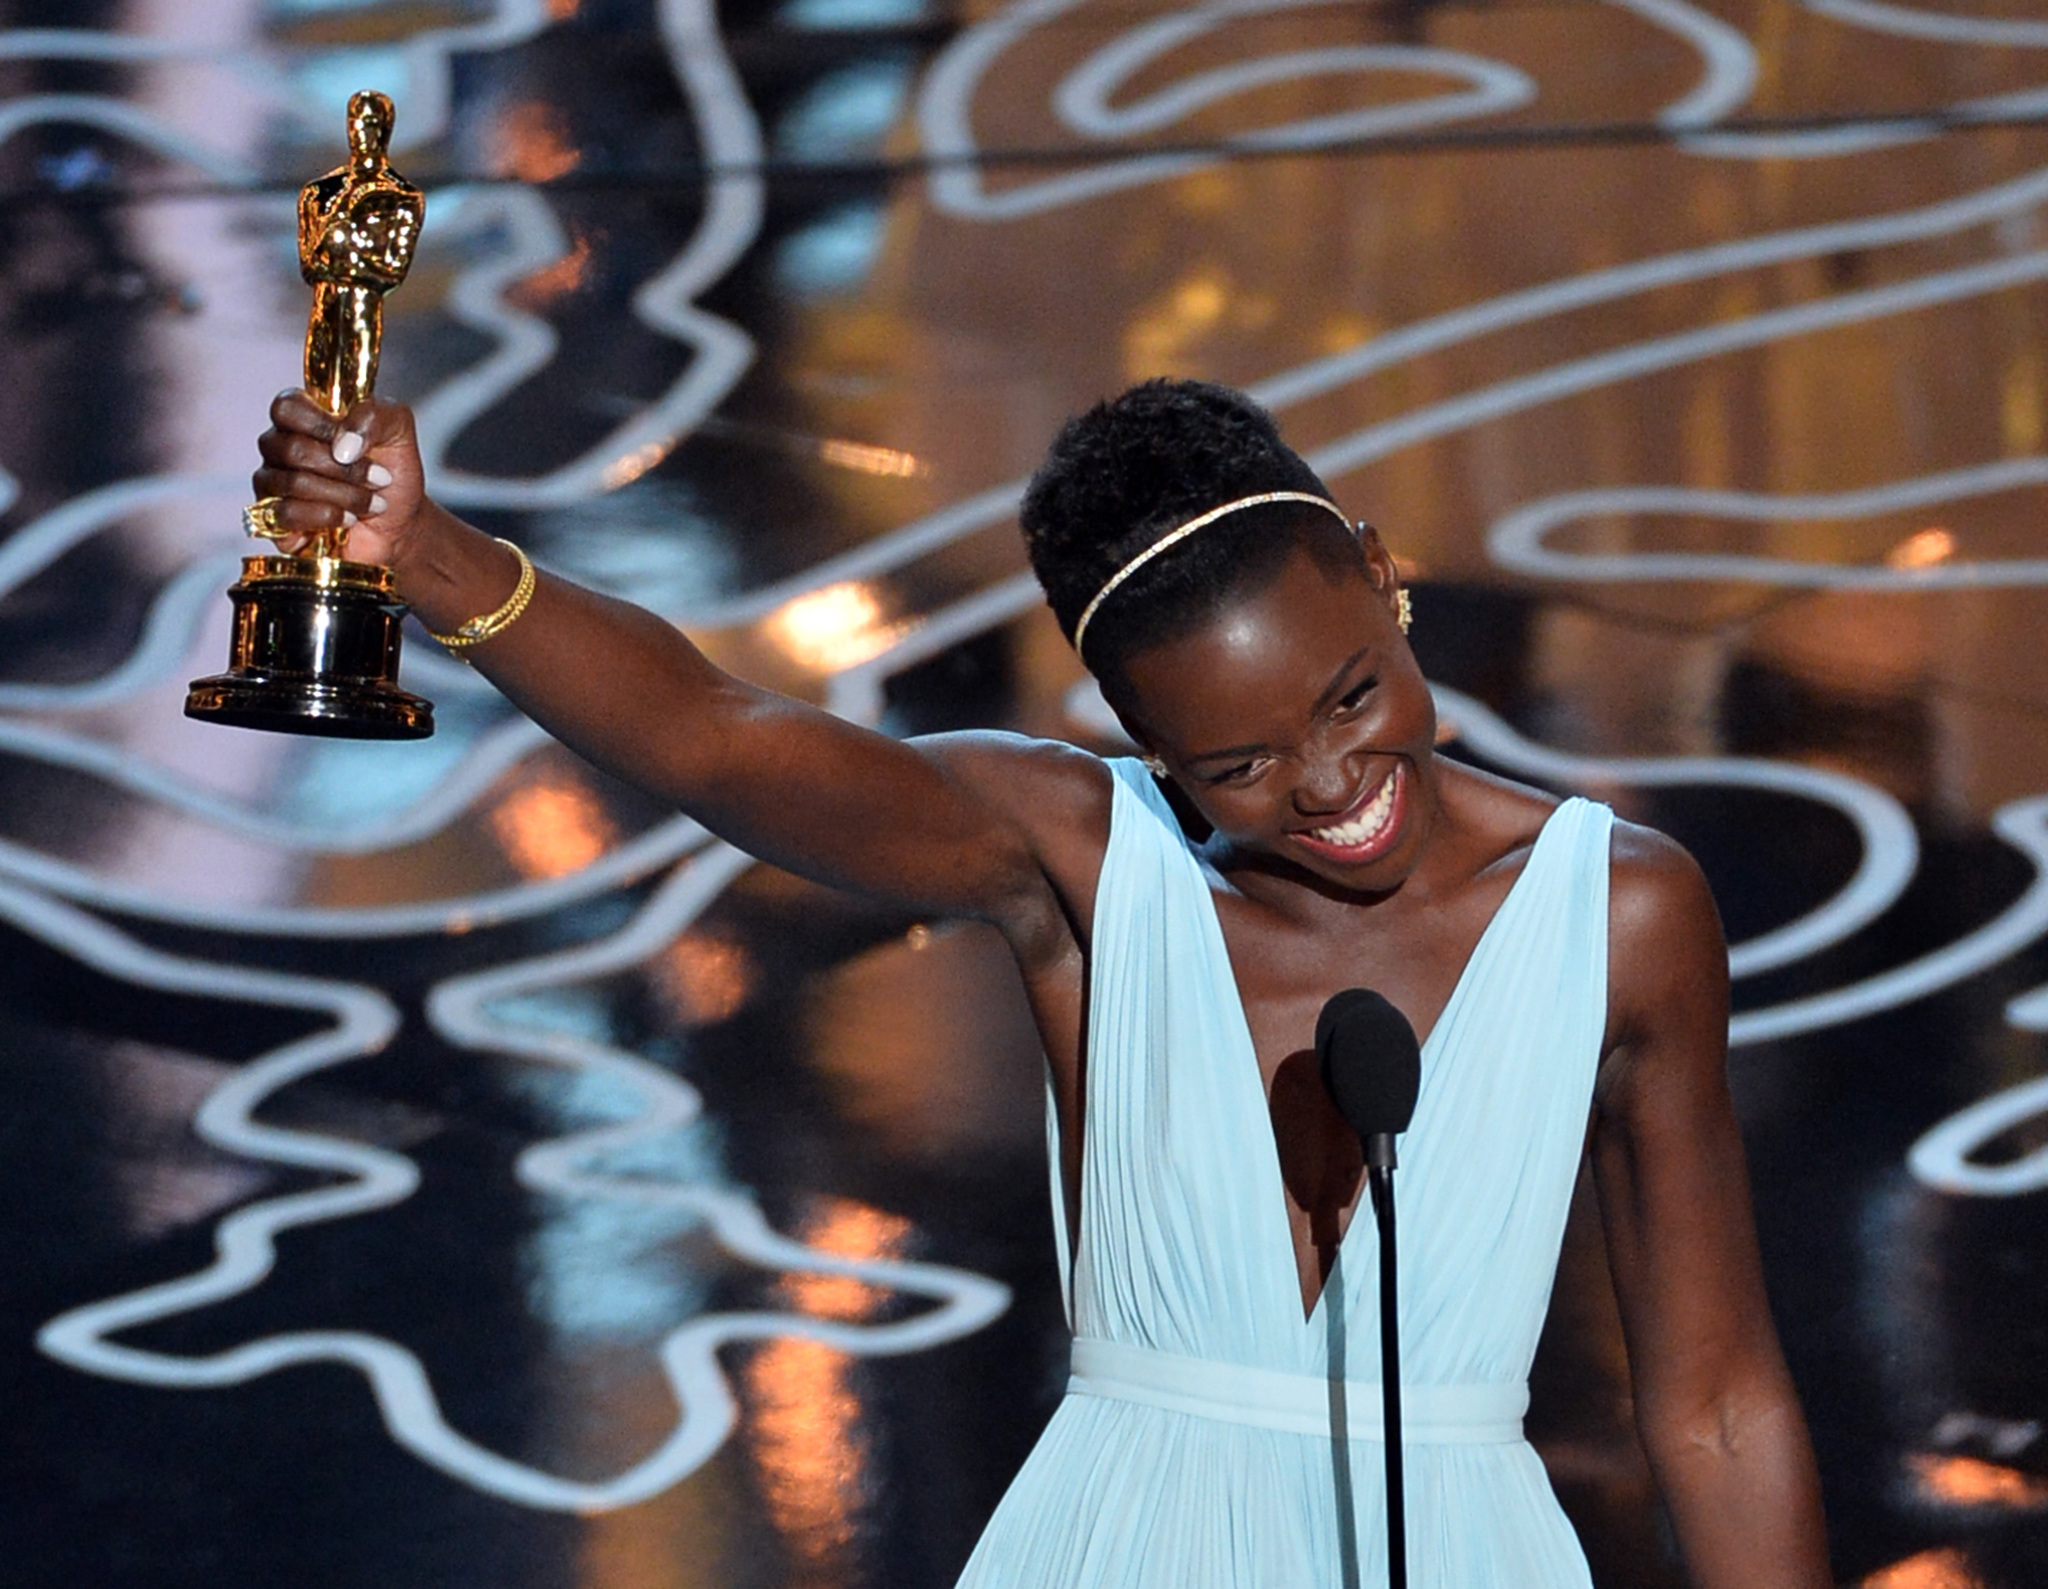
(1134, 468)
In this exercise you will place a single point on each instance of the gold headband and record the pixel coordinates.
(1174, 537)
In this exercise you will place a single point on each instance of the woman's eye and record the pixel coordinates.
(1356, 698)
(1243, 772)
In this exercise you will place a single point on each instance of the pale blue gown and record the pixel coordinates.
(1193, 1448)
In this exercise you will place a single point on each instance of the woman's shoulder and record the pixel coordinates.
(1056, 795)
(1661, 913)
(1663, 926)
(1043, 778)
(1651, 874)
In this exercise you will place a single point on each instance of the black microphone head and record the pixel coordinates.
(1370, 1061)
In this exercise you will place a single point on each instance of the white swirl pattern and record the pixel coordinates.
(1082, 101)
(1516, 541)
(731, 143)
(376, 1178)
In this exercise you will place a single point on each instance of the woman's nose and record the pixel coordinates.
(1328, 782)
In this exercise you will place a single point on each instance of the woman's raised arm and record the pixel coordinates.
(1714, 1403)
(949, 825)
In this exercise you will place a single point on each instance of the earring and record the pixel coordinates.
(1155, 766)
(1404, 609)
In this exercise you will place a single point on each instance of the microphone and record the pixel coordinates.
(1372, 1066)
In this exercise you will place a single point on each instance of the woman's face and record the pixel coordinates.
(1298, 723)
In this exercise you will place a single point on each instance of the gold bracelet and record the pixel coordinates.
(478, 630)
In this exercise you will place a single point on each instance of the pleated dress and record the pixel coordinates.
(1212, 1437)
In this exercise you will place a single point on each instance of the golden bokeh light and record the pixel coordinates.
(805, 1419)
(1931, 1569)
(531, 142)
(1971, 1481)
(551, 829)
(564, 276)
(848, 1230)
(702, 978)
(1162, 337)
(840, 626)
(623, 471)
(867, 459)
(1923, 550)
(807, 1445)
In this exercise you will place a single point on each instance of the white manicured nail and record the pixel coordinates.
(378, 475)
(377, 506)
(348, 446)
(348, 520)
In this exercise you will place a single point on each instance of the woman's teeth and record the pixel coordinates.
(1364, 827)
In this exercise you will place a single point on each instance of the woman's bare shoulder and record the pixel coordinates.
(1666, 953)
(1658, 897)
(1055, 794)
(1652, 873)
(1047, 776)
(1667, 963)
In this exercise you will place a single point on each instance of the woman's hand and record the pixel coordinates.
(360, 473)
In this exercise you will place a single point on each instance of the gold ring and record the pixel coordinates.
(259, 519)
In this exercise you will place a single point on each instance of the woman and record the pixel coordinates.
(1178, 926)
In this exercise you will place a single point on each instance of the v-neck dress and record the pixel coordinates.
(1210, 1436)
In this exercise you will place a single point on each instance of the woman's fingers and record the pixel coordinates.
(306, 440)
(283, 449)
(292, 410)
(360, 472)
(375, 426)
(343, 440)
(308, 502)
(305, 436)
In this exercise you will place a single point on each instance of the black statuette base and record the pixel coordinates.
(315, 651)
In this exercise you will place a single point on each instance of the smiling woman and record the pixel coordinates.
(1176, 940)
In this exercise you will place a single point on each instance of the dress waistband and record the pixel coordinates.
(1294, 1403)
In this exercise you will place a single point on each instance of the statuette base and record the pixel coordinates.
(314, 651)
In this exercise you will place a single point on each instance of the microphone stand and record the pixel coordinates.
(1379, 1170)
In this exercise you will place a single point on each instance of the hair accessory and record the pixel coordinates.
(259, 519)
(1155, 765)
(1175, 537)
(1404, 609)
(478, 630)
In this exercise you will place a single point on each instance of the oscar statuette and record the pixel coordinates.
(315, 643)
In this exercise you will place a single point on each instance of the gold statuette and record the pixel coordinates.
(315, 645)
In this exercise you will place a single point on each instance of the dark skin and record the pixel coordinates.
(1285, 712)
